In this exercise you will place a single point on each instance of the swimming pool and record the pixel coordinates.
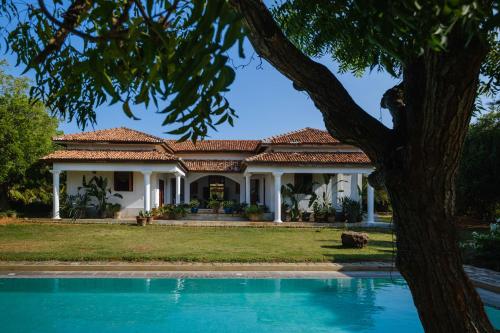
(209, 305)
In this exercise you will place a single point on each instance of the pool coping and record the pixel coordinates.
(489, 297)
(486, 281)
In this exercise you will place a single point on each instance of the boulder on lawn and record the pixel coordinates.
(354, 240)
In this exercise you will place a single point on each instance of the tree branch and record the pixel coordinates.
(393, 100)
(72, 18)
(343, 117)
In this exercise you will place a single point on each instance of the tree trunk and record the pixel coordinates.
(429, 259)
(439, 91)
(417, 160)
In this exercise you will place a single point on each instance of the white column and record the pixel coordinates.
(270, 186)
(247, 188)
(177, 189)
(168, 191)
(277, 196)
(156, 190)
(241, 183)
(147, 190)
(333, 194)
(370, 200)
(55, 194)
(340, 190)
(354, 187)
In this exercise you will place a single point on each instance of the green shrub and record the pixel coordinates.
(228, 204)
(194, 203)
(352, 209)
(254, 209)
(484, 248)
(214, 205)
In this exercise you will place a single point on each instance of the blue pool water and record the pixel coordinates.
(209, 305)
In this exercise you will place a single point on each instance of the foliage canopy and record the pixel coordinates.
(173, 54)
(26, 132)
(478, 184)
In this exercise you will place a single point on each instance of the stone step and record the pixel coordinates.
(213, 217)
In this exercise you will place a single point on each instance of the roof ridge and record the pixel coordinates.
(141, 132)
(107, 131)
(270, 138)
(294, 132)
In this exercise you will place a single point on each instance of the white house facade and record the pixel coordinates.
(149, 171)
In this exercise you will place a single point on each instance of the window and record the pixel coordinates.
(304, 182)
(124, 181)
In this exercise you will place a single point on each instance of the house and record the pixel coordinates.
(149, 171)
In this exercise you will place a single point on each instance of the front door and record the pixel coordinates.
(216, 185)
(161, 186)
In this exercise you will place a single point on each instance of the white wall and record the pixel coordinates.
(327, 186)
(131, 203)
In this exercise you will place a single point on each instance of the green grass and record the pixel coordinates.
(80, 242)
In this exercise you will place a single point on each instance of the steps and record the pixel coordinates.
(209, 216)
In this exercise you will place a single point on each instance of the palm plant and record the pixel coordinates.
(98, 188)
(292, 193)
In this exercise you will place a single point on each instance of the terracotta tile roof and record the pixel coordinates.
(212, 165)
(305, 136)
(309, 158)
(110, 155)
(229, 146)
(120, 134)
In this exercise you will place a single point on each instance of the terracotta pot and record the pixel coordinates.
(149, 219)
(140, 220)
(255, 217)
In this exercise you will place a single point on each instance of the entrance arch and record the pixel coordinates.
(214, 186)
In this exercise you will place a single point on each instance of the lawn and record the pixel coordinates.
(91, 242)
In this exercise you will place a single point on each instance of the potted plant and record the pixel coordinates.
(149, 216)
(194, 204)
(167, 212)
(215, 205)
(141, 219)
(254, 212)
(179, 211)
(239, 208)
(98, 189)
(113, 210)
(228, 206)
(156, 213)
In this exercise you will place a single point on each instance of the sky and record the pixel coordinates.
(264, 100)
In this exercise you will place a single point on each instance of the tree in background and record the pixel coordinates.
(444, 53)
(478, 183)
(26, 132)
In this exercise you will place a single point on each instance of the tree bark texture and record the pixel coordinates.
(417, 160)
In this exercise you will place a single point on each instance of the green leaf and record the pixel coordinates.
(128, 111)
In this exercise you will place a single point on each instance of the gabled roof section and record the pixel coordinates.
(305, 136)
(308, 158)
(212, 165)
(116, 135)
(222, 146)
(109, 155)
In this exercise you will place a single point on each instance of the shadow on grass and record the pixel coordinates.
(387, 244)
(349, 257)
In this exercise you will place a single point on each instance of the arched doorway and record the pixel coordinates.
(214, 186)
